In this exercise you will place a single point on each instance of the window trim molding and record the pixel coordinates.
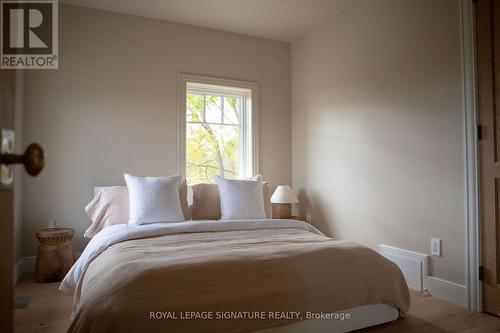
(183, 79)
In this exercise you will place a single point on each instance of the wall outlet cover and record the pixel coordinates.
(436, 247)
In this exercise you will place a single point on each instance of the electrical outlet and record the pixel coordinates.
(436, 247)
(309, 218)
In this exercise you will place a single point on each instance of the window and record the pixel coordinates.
(217, 120)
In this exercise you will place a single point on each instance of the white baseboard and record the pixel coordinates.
(23, 265)
(27, 265)
(18, 271)
(414, 265)
(449, 291)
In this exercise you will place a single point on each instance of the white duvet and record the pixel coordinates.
(122, 232)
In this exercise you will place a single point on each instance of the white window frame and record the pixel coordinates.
(251, 101)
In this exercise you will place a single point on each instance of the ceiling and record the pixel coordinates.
(284, 20)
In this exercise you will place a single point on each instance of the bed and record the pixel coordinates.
(263, 275)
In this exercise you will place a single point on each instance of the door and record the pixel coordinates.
(7, 99)
(488, 92)
(33, 160)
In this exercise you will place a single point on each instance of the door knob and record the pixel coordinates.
(33, 159)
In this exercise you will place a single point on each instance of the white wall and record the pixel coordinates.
(112, 106)
(378, 132)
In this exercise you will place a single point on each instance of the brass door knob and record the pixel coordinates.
(33, 159)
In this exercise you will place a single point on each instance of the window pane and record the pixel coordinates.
(211, 150)
(194, 107)
(229, 139)
(213, 109)
(232, 109)
(201, 162)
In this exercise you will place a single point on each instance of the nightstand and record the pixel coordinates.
(55, 255)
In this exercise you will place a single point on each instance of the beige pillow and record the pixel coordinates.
(266, 191)
(206, 202)
(183, 190)
(111, 207)
(107, 208)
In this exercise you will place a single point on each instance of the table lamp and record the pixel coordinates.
(282, 199)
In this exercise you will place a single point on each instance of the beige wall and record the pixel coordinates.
(378, 132)
(112, 106)
(377, 118)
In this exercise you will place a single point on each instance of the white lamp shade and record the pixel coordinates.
(284, 194)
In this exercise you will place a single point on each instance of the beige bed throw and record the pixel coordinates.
(261, 278)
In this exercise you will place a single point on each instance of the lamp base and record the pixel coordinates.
(282, 211)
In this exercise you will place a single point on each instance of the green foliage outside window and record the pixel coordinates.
(213, 133)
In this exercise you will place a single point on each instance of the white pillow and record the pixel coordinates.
(241, 199)
(154, 199)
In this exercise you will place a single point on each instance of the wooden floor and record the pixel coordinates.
(49, 312)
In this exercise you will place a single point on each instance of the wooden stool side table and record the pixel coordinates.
(55, 255)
